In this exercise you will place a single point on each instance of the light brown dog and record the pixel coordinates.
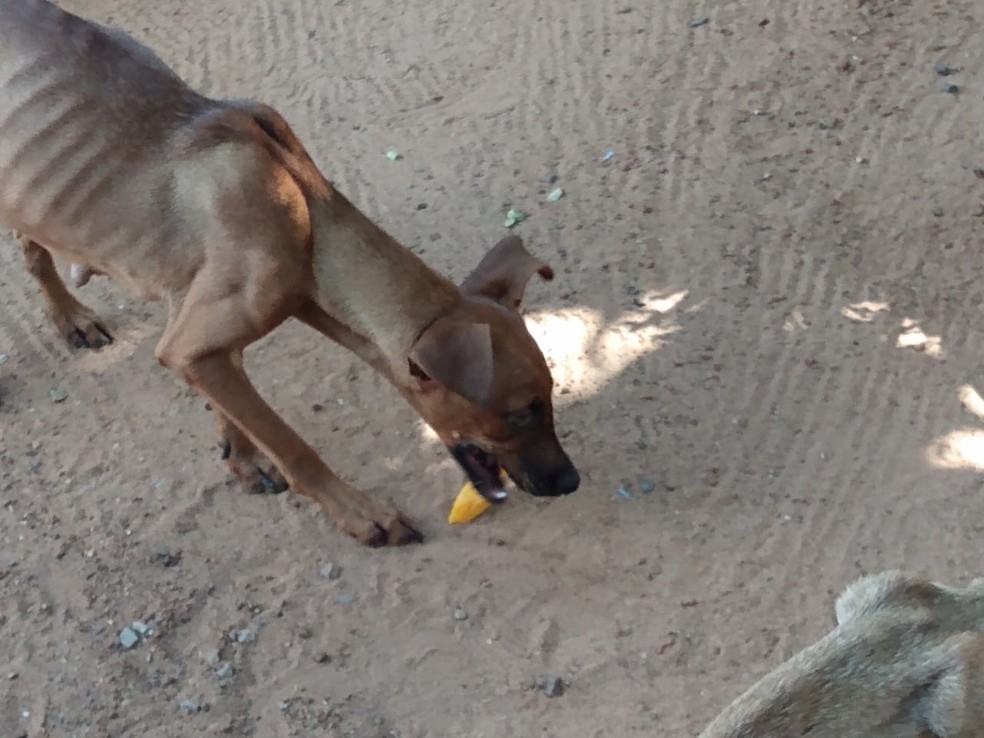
(906, 660)
(109, 160)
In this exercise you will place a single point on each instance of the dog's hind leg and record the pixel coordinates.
(79, 325)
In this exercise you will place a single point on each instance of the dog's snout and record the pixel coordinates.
(568, 481)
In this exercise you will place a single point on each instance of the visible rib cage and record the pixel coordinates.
(50, 149)
(86, 120)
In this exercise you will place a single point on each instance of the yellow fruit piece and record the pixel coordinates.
(468, 505)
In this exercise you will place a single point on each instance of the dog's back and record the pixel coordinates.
(86, 114)
(906, 660)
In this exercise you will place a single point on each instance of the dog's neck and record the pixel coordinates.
(376, 286)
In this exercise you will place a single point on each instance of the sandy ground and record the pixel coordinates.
(768, 306)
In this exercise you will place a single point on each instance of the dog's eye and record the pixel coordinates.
(526, 416)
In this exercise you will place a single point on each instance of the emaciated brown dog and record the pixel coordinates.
(110, 161)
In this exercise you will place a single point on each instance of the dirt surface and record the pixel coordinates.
(768, 310)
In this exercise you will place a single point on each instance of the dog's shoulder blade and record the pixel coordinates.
(254, 129)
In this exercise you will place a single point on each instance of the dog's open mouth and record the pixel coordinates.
(482, 469)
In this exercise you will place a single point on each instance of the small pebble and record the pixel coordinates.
(322, 657)
(646, 486)
(943, 69)
(140, 627)
(609, 155)
(245, 636)
(460, 614)
(553, 686)
(224, 671)
(624, 493)
(331, 571)
(58, 395)
(129, 638)
(513, 217)
(210, 656)
(555, 195)
(701, 21)
(189, 707)
(345, 599)
(949, 88)
(3, 358)
(393, 155)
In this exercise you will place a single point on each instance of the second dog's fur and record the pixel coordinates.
(906, 660)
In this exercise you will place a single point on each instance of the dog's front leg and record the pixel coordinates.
(255, 472)
(225, 384)
(203, 343)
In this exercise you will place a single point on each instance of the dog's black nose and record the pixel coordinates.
(568, 481)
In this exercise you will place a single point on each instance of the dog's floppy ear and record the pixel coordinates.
(867, 593)
(949, 704)
(503, 272)
(457, 355)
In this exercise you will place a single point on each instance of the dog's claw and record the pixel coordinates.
(377, 536)
(83, 330)
(261, 482)
(396, 533)
(268, 484)
(414, 535)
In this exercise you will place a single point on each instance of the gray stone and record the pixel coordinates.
(245, 636)
(129, 638)
(331, 571)
(224, 671)
(553, 686)
(189, 707)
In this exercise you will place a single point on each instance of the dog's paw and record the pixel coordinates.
(264, 482)
(82, 328)
(256, 474)
(389, 530)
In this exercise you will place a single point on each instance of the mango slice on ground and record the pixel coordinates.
(469, 504)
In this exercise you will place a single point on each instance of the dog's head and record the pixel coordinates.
(481, 382)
